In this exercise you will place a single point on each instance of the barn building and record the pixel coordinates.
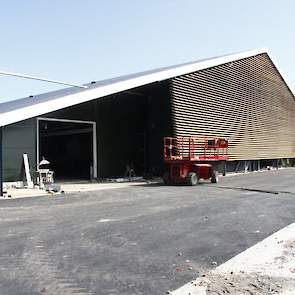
(95, 132)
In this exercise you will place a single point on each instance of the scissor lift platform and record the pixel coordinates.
(191, 158)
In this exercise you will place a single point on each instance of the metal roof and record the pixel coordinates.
(29, 107)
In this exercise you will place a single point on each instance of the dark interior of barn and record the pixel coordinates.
(68, 147)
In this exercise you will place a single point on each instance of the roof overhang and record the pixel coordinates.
(20, 113)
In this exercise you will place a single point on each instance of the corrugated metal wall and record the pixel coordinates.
(246, 101)
(131, 126)
(18, 139)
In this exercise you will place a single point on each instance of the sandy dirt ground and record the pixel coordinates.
(266, 268)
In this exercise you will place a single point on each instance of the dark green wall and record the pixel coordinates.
(18, 139)
(121, 130)
(159, 124)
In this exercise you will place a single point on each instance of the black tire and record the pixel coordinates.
(214, 178)
(166, 178)
(192, 179)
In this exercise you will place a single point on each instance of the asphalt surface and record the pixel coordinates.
(138, 240)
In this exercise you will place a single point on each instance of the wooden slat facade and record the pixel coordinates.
(246, 101)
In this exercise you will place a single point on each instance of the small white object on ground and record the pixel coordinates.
(30, 183)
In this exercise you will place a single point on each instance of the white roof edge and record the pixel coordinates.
(35, 110)
(206, 64)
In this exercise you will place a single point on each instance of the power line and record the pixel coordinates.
(40, 79)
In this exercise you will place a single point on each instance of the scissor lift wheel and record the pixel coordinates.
(214, 178)
(192, 178)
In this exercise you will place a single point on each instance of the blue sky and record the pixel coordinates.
(82, 41)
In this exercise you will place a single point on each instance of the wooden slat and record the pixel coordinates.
(246, 101)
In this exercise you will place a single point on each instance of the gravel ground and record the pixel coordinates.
(139, 240)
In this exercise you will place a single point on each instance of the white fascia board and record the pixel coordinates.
(182, 70)
(87, 95)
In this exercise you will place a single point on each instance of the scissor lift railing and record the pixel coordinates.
(195, 148)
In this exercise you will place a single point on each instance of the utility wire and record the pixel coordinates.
(40, 79)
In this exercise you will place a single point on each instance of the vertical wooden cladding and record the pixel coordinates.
(246, 101)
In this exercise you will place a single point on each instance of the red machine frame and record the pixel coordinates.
(191, 158)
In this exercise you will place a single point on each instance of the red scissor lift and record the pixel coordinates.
(191, 158)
